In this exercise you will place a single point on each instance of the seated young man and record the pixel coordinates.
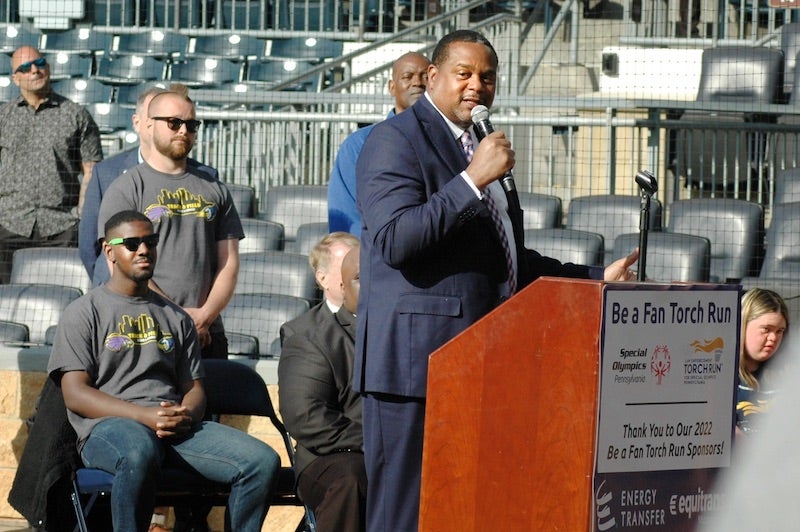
(130, 371)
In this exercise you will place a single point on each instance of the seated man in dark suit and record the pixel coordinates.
(325, 260)
(323, 414)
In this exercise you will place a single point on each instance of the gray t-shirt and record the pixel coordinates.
(139, 349)
(191, 212)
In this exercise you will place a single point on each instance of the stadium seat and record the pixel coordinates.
(241, 345)
(127, 94)
(244, 197)
(312, 49)
(222, 96)
(271, 73)
(671, 257)
(81, 41)
(233, 46)
(567, 245)
(711, 156)
(110, 117)
(295, 205)
(540, 211)
(160, 44)
(129, 70)
(261, 316)
(8, 90)
(782, 255)
(205, 72)
(38, 306)
(610, 215)
(232, 389)
(65, 66)
(84, 91)
(790, 45)
(260, 235)
(13, 36)
(11, 331)
(784, 144)
(734, 227)
(787, 186)
(52, 265)
(277, 272)
(308, 235)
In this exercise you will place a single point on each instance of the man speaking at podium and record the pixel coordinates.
(438, 253)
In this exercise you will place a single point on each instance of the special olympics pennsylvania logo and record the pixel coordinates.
(660, 362)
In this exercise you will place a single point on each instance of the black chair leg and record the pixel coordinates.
(79, 513)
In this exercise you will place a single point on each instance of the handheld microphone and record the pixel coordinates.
(483, 127)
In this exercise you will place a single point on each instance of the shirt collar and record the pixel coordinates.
(454, 129)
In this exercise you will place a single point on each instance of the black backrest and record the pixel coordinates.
(740, 73)
(734, 227)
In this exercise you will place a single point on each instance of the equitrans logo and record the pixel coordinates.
(706, 362)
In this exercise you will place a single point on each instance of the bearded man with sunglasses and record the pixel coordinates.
(192, 212)
(48, 146)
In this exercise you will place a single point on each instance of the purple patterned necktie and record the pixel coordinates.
(469, 149)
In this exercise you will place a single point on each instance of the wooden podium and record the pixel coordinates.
(511, 415)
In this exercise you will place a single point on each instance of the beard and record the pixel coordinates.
(176, 151)
(141, 274)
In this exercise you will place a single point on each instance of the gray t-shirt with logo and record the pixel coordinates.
(138, 349)
(191, 212)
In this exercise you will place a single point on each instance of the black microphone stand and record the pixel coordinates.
(649, 186)
(644, 224)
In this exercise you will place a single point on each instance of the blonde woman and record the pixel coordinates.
(765, 319)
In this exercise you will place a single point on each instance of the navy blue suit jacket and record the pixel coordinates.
(431, 260)
(103, 174)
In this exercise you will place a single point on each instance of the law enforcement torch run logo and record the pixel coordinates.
(660, 363)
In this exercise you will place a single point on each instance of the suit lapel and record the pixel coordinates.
(347, 322)
(436, 130)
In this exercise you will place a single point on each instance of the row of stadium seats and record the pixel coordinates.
(294, 15)
(170, 45)
(706, 239)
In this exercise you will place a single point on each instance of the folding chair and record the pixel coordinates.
(232, 388)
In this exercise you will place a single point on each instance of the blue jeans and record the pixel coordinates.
(133, 453)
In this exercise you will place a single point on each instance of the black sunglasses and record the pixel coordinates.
(175, 123)
(132, 243)
(24, 68)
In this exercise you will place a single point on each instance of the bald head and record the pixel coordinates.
(409, 76)
(33, 80)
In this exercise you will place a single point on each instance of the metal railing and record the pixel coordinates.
(567, 147)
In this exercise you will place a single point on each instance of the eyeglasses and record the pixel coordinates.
(24, 68)
(175, 123)
(132, 243)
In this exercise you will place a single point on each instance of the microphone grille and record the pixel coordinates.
(479, 112)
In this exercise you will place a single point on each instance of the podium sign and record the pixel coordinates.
(669, 356)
